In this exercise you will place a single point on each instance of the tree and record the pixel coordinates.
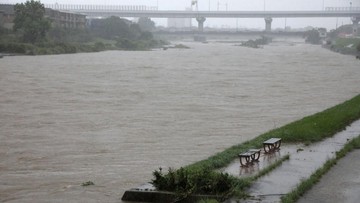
(111, 28)
(313, 37)
(146, 24)
(30, 21)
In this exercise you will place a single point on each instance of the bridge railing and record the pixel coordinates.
(93, 7)
(342, 9)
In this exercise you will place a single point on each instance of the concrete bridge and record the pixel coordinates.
(200, 16)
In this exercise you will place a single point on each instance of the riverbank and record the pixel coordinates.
(307, 130)
(347, 46)
(51, 48)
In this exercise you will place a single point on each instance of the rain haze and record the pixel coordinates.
(92, 104)
(237, 5)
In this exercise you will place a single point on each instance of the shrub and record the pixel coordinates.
(19, 48)
(99, 46)
(185, 182)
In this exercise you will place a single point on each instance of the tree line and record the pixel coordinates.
(34, 33)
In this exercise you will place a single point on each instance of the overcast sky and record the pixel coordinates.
(241, 5)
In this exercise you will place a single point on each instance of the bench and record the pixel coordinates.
(249, 157)
(272, 144)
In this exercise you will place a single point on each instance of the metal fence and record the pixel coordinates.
(92, 7)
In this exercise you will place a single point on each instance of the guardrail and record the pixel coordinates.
(93, 7)
(342, 9)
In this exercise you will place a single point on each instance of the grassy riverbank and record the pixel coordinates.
(350, 46)
(307, 130)
(46, 48)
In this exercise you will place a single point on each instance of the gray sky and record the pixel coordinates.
(248, 5)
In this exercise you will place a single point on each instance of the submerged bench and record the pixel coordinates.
(272, 145)
(249, 157)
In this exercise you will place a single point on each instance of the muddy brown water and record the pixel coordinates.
(113, 117)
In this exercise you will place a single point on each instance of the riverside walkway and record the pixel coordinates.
(304, 161)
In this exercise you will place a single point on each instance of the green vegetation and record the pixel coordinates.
(185, 182)
(307, 184)
(30, 22)
(313, 37)
(33, 35)
(49, 48)
(146, 24)
(346, 45)
(309, 129)
(256, 43)
(188, 181)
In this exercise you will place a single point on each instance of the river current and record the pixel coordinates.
(114, 117)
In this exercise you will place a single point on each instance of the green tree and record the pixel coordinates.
(313, 37)
(111, 28)
(30, 21)
(146, 24)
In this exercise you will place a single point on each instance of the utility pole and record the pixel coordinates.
(264, 5)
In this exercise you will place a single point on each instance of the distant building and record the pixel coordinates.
(58, 18)
(179, 23)
(7, 15)
(66, 19)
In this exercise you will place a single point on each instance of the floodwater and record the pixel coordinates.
(114, 117)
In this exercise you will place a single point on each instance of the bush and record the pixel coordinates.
(313, 37)
(99, 46)
(19, 48)
(185, 182)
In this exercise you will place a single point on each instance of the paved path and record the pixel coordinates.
(340, 184)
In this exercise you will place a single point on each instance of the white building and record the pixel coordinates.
(180, 22)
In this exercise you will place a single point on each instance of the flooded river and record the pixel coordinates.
(114, 117)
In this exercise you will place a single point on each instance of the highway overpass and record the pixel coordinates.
(200, 16)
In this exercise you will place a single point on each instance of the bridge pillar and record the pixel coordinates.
(356, 28)
(268, 22)
(201, 21)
